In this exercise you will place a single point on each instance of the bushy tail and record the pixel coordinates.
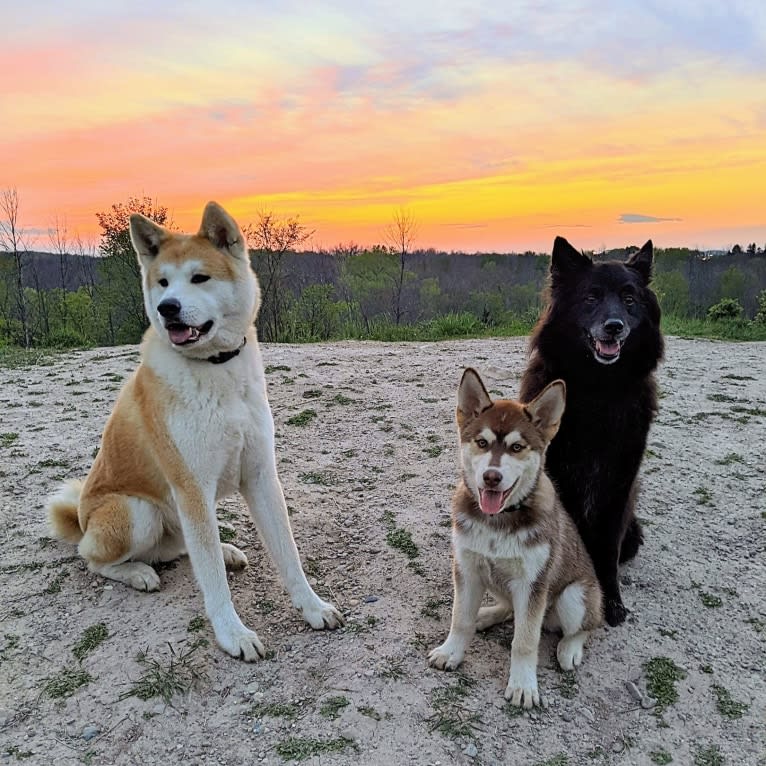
(62, 512)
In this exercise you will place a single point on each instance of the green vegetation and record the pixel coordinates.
(302, 418)
(66, 682)
(709, 756)
(289, 711)
(728, 707)
(662, 674)
(332, 706)
(90, 639)
(401, 539)
(558, 760)
(661, 757)
(166, 677)
(301, 748)
(77, 297)
(451, 717)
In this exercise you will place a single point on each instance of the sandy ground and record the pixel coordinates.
(378, 461)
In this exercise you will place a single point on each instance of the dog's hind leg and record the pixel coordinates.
(120, 528)
(571, 611)
(494, 614)
(634, 537)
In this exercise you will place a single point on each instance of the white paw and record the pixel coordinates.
(321, 615)
(241, 643)
(448, 656)
(233, 557)
(140, 576)
(522, 687)
(569, 652)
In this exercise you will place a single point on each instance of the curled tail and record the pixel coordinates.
(62, 512)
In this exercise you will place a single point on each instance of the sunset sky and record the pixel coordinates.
(496, 125)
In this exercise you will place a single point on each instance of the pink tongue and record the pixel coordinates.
(180, 336)
(490, 501)
(607, 348)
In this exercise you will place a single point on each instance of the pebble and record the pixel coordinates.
(634, 691)
(370, 599)
(588, 715)
(647, 703)
(89, 732)
(470, 750)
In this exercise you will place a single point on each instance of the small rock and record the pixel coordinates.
(647, 703)
(588, 715)
(566, 717)
(257, 728)
(370, 599)
(89, 732)
(634, 691)
(470, 750)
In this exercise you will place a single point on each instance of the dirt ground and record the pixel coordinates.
(84, 662)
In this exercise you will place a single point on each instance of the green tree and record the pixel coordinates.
(760, 316)
(272, 238)
(119, 287)
(672, 291)
(732, 284)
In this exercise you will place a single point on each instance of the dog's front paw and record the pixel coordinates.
(521, 690)
(141, 576)
(323, 616)
(615, 612)
(241, 643)
(446, 657)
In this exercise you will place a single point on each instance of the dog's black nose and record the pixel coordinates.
(614, 326)
(169, 308)
(492, 478)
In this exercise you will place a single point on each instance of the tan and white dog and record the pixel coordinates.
(190, 426)
(512, 537)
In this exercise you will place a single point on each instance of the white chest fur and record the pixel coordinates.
(506, 555)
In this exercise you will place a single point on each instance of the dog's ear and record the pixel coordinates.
(146, 236)
(472, 397)
(566, 260)
(546, 409)
(221, 230)
(642, 261)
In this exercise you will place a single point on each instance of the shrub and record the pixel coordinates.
(726, 308)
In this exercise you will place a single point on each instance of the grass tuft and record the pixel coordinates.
(332, 706)
(66, 682)
(302, 418)
(166, 678)
(728, 707)
(90, 639)
(301, 748)
(662, 675)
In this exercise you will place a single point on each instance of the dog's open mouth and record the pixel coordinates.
(606, 351)
(491, 501)
(184, 335)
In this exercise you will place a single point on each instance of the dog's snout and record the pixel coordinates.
(492, 478)
(169, 308)
(614, 326)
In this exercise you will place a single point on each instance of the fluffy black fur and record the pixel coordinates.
(600, 333)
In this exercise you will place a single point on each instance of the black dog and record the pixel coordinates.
(600, 333)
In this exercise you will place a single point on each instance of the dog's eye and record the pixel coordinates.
(591, 298)
(628, 300)
(517, 447)
(198, 279)
(163, 283)
(482, 443)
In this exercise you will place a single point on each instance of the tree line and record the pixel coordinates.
(88, 294)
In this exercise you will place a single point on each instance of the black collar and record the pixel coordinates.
(224, 356)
